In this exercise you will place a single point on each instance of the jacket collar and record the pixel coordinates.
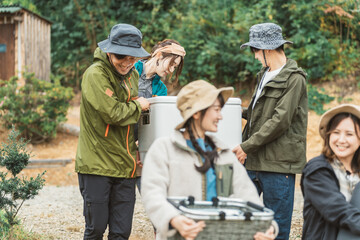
(317, 163)
(178, 139)
(289, 68)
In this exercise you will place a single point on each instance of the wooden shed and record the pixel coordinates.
(24, 43)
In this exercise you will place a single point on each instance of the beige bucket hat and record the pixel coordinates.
(198, 95)
(327, 116)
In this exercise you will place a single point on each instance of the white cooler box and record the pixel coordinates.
(163, 116)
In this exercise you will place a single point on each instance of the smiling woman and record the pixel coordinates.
(166, 58)
(105, 158)
(328, 181)
(122, 63)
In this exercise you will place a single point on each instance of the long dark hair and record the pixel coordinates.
(333, 123)
(209, 156)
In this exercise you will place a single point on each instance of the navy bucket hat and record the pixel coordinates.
(124, 39)
(265, 36)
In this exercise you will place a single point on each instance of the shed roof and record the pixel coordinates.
(16, 8)
(9, 9)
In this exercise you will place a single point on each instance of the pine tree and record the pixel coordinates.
(14, 191)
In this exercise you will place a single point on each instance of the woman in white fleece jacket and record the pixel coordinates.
(190, 163)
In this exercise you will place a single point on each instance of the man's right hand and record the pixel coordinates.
(144, 103)
(187, 227)
(240, 154)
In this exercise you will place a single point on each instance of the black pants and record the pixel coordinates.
(107, 201)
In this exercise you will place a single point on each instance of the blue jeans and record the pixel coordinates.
(278, 194)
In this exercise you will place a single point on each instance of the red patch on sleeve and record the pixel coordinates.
(109, 92)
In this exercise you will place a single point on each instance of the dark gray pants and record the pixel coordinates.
(107, 201)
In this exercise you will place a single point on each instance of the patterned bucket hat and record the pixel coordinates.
(265, 36)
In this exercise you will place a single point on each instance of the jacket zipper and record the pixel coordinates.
(203, 176)
(128, 131)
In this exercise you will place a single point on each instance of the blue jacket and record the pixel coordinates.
(325, 208)
(158, 87)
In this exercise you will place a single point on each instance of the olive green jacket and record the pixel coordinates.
(107, 116)
(274, 137)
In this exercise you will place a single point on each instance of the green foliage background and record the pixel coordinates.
(36, 108)
(326, 34)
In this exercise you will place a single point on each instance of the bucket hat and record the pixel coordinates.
(197, 96)
(124, 39)
(265, 36)
(327, 116)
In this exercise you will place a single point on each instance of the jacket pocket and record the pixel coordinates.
(271, 97)
(224, 178)
(118, 140)
(287, 148)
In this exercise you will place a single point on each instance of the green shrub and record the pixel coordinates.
(317, 99)
(36, 108)
(14, 190)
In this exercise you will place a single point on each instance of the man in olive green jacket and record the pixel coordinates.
(106, 154)
(274, 139)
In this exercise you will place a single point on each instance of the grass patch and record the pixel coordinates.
(18, 232)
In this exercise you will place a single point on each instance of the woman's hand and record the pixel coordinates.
(187, 227)
(144, 103)
(268, 235)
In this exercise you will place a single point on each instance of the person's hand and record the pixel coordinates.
(240, 154)
(138, 160)
(268, 235)
(139, 163)
(144, 103)
(187, 227)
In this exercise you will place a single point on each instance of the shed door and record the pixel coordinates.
(7, 51)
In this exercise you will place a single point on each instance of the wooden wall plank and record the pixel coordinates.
(7, 59)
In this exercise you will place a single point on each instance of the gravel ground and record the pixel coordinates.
(57, 213)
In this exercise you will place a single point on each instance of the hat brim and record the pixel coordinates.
(226, 93)
(108, 47)
(259, 45)
(327, 116)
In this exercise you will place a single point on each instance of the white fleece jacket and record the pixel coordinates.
(169, 171)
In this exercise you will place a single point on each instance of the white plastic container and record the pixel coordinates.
(163, 116)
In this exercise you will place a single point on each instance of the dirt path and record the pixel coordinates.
(57, 213)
